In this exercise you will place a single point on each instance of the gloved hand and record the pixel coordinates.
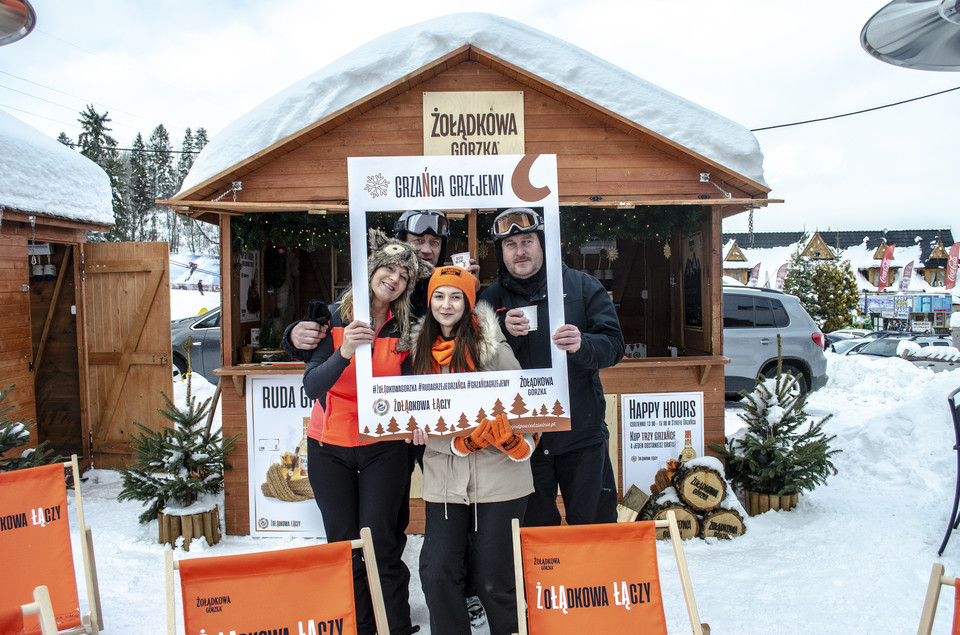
(502, 437)
(473, 443)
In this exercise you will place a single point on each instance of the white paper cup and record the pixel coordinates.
(530, 312)
(461, 259)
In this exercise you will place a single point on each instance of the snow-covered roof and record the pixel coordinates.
(43, 176)
(390, 57)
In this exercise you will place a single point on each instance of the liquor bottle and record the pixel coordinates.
(300, 470)
(688, 452)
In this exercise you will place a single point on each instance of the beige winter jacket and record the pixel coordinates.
(487, 476)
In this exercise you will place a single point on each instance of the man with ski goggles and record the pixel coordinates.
(578, 460)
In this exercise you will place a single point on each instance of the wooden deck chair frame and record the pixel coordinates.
(937, 580)
(93, 621)
(670, 524)
(364, 543)
(43, 609)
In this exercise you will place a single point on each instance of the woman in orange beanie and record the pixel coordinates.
(472, 485)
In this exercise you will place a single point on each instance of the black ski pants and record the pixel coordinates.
(366, 486)
(450, 533)
(587, 485)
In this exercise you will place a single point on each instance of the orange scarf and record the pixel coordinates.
(443, 354)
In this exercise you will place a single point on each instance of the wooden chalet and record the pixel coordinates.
(614, 173)
(85, 328)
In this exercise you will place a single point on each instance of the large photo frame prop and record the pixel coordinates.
(450, 404)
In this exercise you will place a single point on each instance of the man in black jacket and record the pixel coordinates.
(578, 460)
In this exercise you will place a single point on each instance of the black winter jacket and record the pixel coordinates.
(587, 306)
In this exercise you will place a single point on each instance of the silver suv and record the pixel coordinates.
(752, 319)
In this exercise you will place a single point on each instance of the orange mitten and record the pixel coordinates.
(507, 441)
(473, 443)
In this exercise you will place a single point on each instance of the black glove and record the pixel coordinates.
(319, 312)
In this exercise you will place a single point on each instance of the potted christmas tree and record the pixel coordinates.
(178, 472)
(782, 452)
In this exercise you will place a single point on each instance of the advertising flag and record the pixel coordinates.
(781, 276)
(754, 275)
(905, 278)
(952, 266)
(885, 268)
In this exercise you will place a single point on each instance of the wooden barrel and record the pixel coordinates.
(202, 525)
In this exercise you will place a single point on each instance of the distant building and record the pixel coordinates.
(917, 303)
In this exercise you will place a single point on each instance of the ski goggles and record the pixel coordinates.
(428, 221)
(515, 220)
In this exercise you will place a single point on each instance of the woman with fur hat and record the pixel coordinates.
(357, 483)
(472, 485)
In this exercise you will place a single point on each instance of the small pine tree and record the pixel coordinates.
(838, 298)
(179, 464)
(776, 454)
(14, 434)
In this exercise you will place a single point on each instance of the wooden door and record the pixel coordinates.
(126, 297)
(16, 353)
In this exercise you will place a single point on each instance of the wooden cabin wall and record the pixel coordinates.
(15, 349)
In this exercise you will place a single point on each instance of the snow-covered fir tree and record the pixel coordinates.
(782, 450)
(179, 464)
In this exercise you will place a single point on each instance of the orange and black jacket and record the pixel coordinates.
(331, 380)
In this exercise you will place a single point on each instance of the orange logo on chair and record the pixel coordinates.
(591, 579)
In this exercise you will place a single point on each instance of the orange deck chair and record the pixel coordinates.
(937, 579)
(303, 590)
(36, 546)
(595, 578)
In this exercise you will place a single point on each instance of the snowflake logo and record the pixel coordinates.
(377, 185)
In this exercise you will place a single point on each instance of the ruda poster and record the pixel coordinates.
(657, 427)
(450, 404)
(281, 501)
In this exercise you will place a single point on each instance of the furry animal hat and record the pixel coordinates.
(390, 251)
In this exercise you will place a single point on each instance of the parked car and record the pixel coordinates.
(848, 333)
(204, 331)
(752, 319)
(842, 346)
(890, 345)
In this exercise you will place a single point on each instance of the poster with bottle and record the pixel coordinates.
(281, 501)
(248, 262)
(657, 428)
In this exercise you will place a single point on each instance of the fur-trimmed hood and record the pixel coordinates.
(490, 335)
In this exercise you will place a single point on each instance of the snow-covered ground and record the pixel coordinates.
(854, 557)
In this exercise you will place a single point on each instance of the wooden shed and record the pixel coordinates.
(85, 329)
(639, 169)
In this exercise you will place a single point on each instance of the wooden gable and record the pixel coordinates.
(939, 252)
(734, 254)
(878, 253)
(817, 249)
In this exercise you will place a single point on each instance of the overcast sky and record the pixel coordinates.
(759, 62)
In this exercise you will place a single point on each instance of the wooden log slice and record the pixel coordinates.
(722, 523)
(687, 521)
(702, 488)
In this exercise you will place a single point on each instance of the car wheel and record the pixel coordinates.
(179, 368)
(770, 372)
